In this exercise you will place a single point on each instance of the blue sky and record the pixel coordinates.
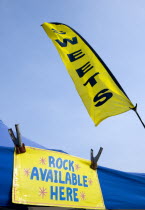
(37, 92)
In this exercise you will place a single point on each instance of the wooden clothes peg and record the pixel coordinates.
(94, 160)
(20, 147)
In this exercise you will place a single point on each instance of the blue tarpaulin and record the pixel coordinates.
(121, 190)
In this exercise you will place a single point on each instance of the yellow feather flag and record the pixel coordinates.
(100, 92)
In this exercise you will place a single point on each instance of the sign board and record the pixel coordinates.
(49, 178)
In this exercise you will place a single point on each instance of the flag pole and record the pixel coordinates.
(135, 109)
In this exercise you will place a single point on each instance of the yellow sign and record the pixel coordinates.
(49, 178)
(101, 93)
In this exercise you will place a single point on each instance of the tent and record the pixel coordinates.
(121, 190)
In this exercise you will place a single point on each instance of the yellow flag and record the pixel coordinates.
(49, 178)
(99, 90)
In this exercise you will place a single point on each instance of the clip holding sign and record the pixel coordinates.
(20, 147)
(94, 160)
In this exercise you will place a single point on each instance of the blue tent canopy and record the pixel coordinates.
(120, 190)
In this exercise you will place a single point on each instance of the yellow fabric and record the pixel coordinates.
(99, 92)
(49, 178)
